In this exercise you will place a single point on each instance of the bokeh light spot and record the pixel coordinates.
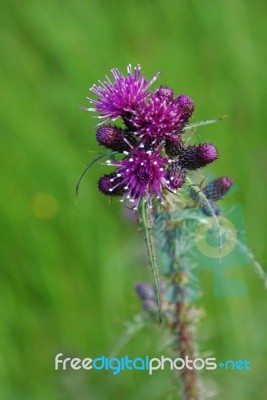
(44, 205)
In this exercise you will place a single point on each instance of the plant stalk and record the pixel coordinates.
(186, 349)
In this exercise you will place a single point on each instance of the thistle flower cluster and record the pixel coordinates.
(155, 157)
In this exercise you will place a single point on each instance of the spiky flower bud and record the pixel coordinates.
(165, 93)
(110, 185)
(176, 176)
(217, 188)
(112, 138)
(187, 106)
(174, 146)
(194, 157)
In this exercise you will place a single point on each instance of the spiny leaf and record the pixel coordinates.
(202, 123)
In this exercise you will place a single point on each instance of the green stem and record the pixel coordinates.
(151, 252)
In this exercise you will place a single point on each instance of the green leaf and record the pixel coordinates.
(189, 127)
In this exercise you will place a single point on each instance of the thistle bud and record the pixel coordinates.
(217, 188)
(110, 185)
(194, 157)
(187, 107)
(112, 137)
(147, 295)
(174, 146)
(176, 176)
(165, 93)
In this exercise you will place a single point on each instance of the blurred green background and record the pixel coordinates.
(67, 271)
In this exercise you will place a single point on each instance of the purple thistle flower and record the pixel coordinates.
(156, 157)
(142, 174)
(106, 185)
(114, 138)
(194, 157)
(160, 117)
(217, 188)
(123, 95)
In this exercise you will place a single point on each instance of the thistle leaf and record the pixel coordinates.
(189, 127)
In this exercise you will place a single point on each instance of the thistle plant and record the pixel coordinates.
(152, 166)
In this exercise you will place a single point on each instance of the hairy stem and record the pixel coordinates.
(186, 348)
(183, 322)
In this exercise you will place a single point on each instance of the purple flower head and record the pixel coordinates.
(122, 96)
(217, 188)
(114, 138)
(158, 118)
(106, 185)
(142, 174)
(194, 157)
